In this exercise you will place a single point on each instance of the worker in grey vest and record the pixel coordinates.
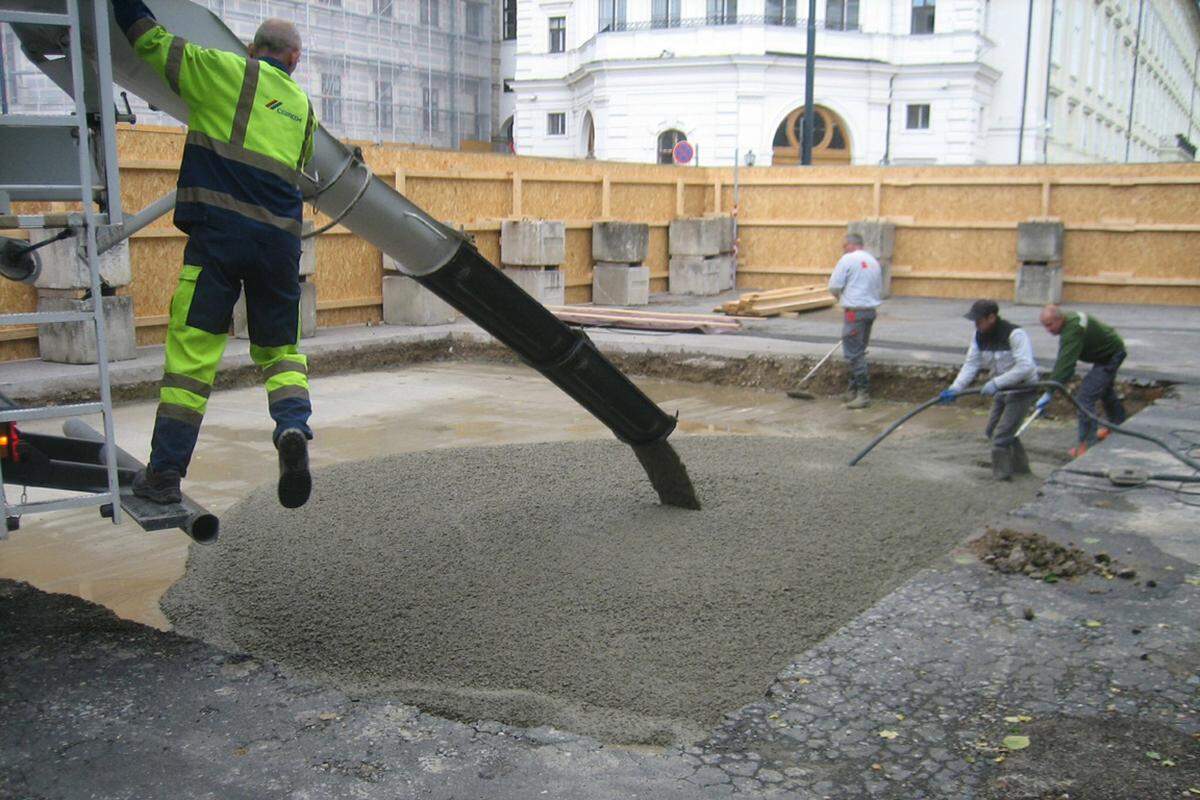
(1004, 350)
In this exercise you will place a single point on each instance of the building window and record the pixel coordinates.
(556, 124)
(781, 12)
(664, 13)
(558, 34)
(382, 8)
(722, 12)
(474, 15)
(841, 15)
(430, 110)
(612, 15)
(922, 15)
(429, 13)
(509, 14)
(666, 145)
(383, 105)
(331, 98)
(918, 117)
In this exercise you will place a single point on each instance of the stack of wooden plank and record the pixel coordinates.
(601, 317)
(779, 301)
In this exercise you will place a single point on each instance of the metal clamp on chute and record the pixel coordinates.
(353, 158)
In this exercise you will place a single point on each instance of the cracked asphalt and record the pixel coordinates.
(915, 698)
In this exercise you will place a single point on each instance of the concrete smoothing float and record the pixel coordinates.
(544, 585)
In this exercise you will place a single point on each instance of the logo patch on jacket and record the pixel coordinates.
(277, 107)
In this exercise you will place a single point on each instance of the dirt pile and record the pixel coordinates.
(1032, 554)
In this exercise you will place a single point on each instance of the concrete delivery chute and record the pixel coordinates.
(339, 184)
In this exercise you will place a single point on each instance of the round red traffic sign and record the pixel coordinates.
(683, 152)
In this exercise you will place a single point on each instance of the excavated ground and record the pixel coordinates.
(542, 584)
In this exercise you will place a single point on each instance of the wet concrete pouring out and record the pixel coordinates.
(542, 584)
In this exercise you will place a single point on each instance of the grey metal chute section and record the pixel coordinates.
(343, 187)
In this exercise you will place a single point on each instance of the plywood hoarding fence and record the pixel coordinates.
(1132, 232)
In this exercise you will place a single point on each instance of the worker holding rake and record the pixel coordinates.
(1004, 349)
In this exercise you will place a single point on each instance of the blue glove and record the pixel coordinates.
(1043, 401)
(989, 389)
(947, 396)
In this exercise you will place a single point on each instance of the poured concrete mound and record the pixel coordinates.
(542, 584)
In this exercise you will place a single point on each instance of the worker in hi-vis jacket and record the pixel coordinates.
(250, 131)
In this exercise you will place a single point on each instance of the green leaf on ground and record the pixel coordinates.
(889, 735)
(1093, 623)
(1016, 742)
(1153, 755)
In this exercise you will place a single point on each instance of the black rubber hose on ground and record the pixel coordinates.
(1049, 385)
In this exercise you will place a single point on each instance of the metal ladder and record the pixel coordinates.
(33, 134)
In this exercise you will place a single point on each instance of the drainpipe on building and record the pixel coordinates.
(810, 63)
(1025, 82)
(1191, 105)
(887, 132)
(1046, 105)
(3, 79)
(1137, 43)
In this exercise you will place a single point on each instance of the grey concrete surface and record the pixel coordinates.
(911, 699)
(544, 585)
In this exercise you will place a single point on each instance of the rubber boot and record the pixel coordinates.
(1002, 463)
(1020, 459)
(157, 487)
(295, 482)
(861, 400)
(849, 394)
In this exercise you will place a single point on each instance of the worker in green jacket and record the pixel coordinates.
(250, 132)
(1082, 337)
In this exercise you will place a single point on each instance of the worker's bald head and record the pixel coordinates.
(1052, 319)
(277, 39)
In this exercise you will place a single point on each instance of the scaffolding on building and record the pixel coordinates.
(414, 71)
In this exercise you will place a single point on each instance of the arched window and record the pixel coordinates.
(831, 139)
(666, 145)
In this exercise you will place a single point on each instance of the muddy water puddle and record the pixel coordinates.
(365, 415)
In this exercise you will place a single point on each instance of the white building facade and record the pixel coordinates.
(896, 81)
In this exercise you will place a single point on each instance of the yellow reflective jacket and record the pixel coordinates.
(250, 131)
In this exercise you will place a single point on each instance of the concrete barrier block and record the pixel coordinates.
(63, 269)
(620, 242)
(620, 285)
(694, 275)
(1040, 241)
(75, 342)
(726, 271)
(701, 236)
(533, 243)
(308, 313)
(544, 285)
(308, 309)
(1038, 284)
(406, 302)
(879, 237)
(308, 251)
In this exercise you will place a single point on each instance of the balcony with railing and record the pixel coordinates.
(780, 19)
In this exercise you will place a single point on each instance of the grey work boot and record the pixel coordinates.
(158, 487)
(1002, 463)
(849, 394)
(295, 482)
(1020, 459)
(861, 400)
